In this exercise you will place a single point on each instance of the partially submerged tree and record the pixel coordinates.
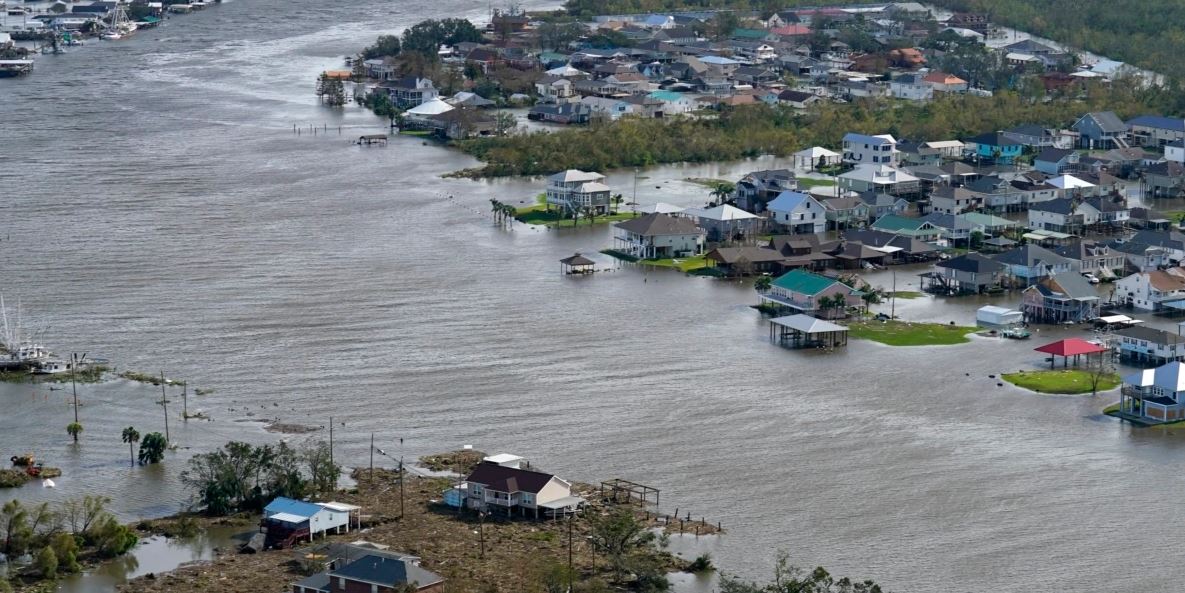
(152, 448)
(131, 436)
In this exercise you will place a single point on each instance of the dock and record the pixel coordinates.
(10, 68)
(369, 139)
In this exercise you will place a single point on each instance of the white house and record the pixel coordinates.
(609, 108)
(910, 87)
(861, 149)
(285, 518)
(574, 190)
(1151, 291)
(724, 222)
(1175, 151)
(674, 103)
(1144, 345)
(1156, 394)
(658, 235)
(798, 212)
(879, 178)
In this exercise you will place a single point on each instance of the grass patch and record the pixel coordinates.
(905, 333)
(1065, 381)
(421, 133)
(809, 182)
(539, 215)
(907, 294)
(683, 264)
(706, 181)
(1174, 215)
(619, 255)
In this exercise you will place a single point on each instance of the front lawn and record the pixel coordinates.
(1064, 381)
(683, 264)
(906, 333)
(539, 215)
(907, 294)
(809, 182)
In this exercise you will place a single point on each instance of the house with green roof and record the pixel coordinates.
(674, 103)
(750, 34)
(915, 228)
(810, 293)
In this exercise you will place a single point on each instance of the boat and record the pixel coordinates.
(51, 366)
(121, 26)
(1016, 333)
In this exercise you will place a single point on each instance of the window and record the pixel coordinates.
(374, 588)
(341, 583)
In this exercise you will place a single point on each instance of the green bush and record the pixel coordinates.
(46, 563)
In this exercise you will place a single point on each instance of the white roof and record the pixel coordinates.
(878, 174)
(807, 324)
(815, 152)
(287, 518)
(968, 33)
(566, 70)
(340, 507)
(435, 106)
(1021, 57)
(1069, 182)
(1120, 319)
(1170, 377)
(994, 310)
(663, 208)
(502, 458)
(1086, 74)
(593, 186)
(721, 213)
(574, 175)
(944, 144)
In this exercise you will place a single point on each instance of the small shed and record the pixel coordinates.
(577, 264)
(804, 331)
(992, 316)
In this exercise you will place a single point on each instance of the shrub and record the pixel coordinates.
(47, 563)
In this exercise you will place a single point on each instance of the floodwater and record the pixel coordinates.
(158, 211)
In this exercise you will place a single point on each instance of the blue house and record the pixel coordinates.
(1101, 130)
(286, 521)
(997, 147)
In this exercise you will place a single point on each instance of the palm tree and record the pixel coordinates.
(508, 213)
(616, 200)
(131, 436)
(74, 429)
(496, 208)
(721, 190)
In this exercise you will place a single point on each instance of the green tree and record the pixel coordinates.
(152, 448)
(131, 436)
(385, 45)
(5, 586)
(111, 538)
(74, 429)
(47, 563)
(617, 534)
(14, 524)
(65, 549)
(763, 283)
(323, 472)
(283, 471)
(721, 190)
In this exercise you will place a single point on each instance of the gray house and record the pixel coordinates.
(969, 273)
(1101, 129)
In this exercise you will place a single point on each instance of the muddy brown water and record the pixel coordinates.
(157, 210)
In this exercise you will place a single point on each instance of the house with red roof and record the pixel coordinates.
(507, 488)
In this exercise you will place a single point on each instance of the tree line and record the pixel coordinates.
(243, 477)
(59, 535)
(754, 130)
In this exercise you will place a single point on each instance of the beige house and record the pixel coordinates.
(658, 236)
(503, 488)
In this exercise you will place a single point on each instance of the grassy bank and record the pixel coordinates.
(683, 264)
(907, 294)
(539, 215)
(1064, 381)
(809, 182)
(905, 333)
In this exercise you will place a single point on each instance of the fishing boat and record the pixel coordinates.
(51, 366)
(121, 26)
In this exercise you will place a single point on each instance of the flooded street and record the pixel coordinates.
(158, 211)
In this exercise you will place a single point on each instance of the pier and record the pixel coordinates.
(10, 68)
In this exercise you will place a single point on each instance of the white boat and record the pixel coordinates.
(121, 26)
(51, 366)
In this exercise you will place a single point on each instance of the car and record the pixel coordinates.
(1091, 278)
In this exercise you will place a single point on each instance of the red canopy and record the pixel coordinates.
(1071, 347)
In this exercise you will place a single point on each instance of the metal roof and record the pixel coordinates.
(807, 324)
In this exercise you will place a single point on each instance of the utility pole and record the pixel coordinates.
(164, 400)
(893, 299)
(402, 479)
(185, 401)
(570, 519)
(331, 443)
(372, 455)
(75, 361)
(481, 530)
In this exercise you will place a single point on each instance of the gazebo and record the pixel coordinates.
(577, 264)
(1075, 347)
(804, 331)
(808, 159)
